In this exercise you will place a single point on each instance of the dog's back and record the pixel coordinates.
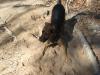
(52, 31)
(58, 15)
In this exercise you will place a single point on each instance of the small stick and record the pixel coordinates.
(35, 36)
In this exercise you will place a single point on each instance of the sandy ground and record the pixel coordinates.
(22, 54)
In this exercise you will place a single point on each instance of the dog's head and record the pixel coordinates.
(47, 31)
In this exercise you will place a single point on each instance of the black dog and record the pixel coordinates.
(52, 31)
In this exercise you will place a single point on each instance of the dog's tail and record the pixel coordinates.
(58, 1)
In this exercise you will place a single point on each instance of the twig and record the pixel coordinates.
(35, 36)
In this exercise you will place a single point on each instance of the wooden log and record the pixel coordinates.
(88, 51)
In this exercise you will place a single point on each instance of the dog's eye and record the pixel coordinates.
(43, 31)
(51, 31)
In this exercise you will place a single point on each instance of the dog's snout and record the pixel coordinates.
(43, 38)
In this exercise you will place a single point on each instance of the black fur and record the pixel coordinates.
(47, 32)
(97, 16)
(58, 16)
(52, 31)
